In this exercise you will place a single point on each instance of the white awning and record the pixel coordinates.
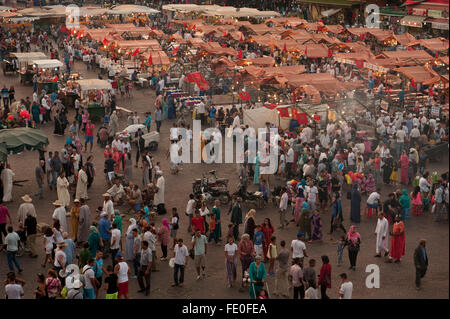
(412, 21)
(28, 56)
(330, 12)
(131, 8)
(47, 64)
(94, 84)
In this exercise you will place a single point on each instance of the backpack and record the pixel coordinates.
(176, 225)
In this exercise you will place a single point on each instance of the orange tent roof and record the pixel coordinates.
(419, 74)
(223, 60)
(284, 70)
(291, 21)
(157, 33)
(263, 61)
(214, 48)
(420, 56)
(257, 28)
(336, 29)
(195, 42)
(139, 44)
(315, 50)
(404, 38)
(435, 44)
(158, 57)
(178, 38)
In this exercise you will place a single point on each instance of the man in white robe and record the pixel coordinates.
(82, 183)
(108, 206)
(160, 184)
(7, 180)
(60, 214)
(25, 208)
(381, 231)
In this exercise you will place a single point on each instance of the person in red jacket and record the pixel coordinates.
(198, 222)
(325, 277)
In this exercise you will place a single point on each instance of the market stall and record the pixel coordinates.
(23, 64)
(48, 74)
(93, 94)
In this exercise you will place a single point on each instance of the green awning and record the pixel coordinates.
(392, 12)
(17, 139)
(336, 3)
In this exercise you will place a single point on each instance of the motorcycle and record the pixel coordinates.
(209, 192)
(221, 183)
(255, 198)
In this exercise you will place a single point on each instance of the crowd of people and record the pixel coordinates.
(318, 170)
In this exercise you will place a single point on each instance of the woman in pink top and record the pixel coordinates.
(163, 237)
(416, 201)
(84, 119)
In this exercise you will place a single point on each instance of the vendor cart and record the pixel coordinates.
(8, 67)
(96, 110)
(51, 67)
(26, 76)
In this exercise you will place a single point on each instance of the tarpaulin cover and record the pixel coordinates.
(197, 77)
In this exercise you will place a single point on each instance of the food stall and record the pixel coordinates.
(23, 63)
(48, 74)
(93, 95)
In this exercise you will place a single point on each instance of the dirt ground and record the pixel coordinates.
(397, 280)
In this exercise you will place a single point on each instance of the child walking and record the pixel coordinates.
(394, 174)
(272, 255)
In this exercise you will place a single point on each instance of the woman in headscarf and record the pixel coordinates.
(355, 208)
(317, 226)
(405, 203)
(397, 240)
(218, 228)
(94, 240)
(164, 237)
(305, 221)
(404, 163)
(268, 231)
(416, 201)
(353, 242)
(370, 185)
(257, 273)
(299, 200)
(130, 239)
(249, 223)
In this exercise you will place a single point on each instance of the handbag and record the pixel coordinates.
(192, 253)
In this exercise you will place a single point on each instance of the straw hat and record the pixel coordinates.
(76, 200)
(57, 203)
(106, 195)
(26, 198)
(77, 284)
(61, 244)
